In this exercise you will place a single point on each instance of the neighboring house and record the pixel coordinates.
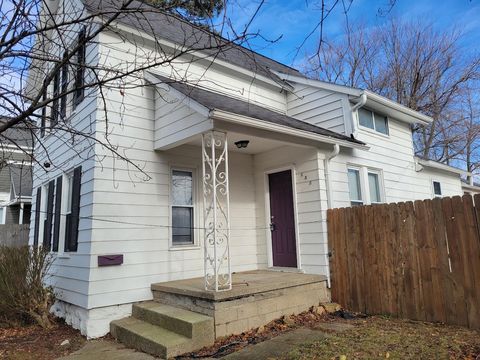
(16, 146)
(295, 147)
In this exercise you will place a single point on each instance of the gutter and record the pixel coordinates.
(328, 184)
(221, 115)
(358, 105)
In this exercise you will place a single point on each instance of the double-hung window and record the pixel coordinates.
(364, 186)
(374, 187)
(354, 187)
(182, 208)
(373, 120)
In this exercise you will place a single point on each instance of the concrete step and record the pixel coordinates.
(198, 327)
(149, 338)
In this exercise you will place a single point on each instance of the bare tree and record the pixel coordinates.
(41, 41)
(413, 64)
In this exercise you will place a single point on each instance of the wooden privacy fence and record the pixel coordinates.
(14, 234)
(417, 260)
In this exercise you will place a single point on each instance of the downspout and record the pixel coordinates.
(328, 184)
(358, 105)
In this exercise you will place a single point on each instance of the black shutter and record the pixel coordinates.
(43, 119)
(47, 231)
(80, 70)
(37, 216)
(64, 82)
(75, 214)
(58, 209)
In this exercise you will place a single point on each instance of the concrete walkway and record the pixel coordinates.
(275, 347)
(106, 350)
(278, 346)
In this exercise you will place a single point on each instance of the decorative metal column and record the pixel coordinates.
(218, 275)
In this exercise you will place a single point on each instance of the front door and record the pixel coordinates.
(282, 219)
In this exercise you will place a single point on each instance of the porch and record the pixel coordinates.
(256, 298)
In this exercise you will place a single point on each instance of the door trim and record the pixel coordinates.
(267, 213)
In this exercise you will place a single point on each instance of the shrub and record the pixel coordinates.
(23, 294)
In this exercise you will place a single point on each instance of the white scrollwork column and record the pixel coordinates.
(218, 275)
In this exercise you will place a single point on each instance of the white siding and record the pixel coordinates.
(393, 156)
(310, 200)
(175, 121)
(319, 107)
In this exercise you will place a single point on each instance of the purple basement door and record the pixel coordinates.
(282, 223)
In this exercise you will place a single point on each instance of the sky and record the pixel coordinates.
(287, 23)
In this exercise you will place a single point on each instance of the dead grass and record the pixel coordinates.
(386, 338)
(34, 342)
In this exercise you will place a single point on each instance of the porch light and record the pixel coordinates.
(242, 144)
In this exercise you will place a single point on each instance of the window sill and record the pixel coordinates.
(184, 247)
(63, 256)
(373, 132)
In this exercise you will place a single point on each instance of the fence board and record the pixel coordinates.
(414, 260)
(14, 234)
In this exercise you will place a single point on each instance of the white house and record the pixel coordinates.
(236, 147)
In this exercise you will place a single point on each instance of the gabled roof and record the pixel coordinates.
(215, 101)
(374, 101)
(172, 28)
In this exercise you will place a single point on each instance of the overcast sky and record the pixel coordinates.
(292, 20)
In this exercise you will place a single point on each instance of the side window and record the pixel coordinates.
(182, 209)
(354, 187)
(72, 209)
(374, 187)
(365, 186)
(437, 189)
(373, 120)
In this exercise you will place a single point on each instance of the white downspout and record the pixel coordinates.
(328, 184)
(358, 105)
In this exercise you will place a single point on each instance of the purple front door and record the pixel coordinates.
(282, 223)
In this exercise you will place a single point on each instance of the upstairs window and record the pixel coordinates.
(79, 92)
(437, 189)
(56, 100)
(373, 120)
(64, 88)
(182, 210)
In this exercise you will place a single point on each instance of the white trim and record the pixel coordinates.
(374, 130)
(432, 186)
(258, 123)
(363, 172)
(268, 216)
(437, 165)
(196, 244)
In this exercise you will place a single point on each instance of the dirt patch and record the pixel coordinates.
(229, 344)
(379, 337)
(33, 342)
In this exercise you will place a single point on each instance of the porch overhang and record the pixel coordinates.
(216, 111)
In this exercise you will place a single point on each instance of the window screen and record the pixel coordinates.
(354, 187)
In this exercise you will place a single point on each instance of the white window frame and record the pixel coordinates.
(362, 192)
(195, 202)
(64, 211)
(433, 188)
(365, 186)
(374, 130)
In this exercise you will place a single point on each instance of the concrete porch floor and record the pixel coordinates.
(243, 284)
(257, 297)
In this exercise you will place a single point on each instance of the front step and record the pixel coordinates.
(164, 330)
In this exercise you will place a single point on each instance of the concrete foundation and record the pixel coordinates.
(257, 298)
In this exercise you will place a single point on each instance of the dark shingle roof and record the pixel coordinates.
(179, 31)
(18, 135)
(212, 100)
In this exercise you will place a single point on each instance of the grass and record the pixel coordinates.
(379, 337)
